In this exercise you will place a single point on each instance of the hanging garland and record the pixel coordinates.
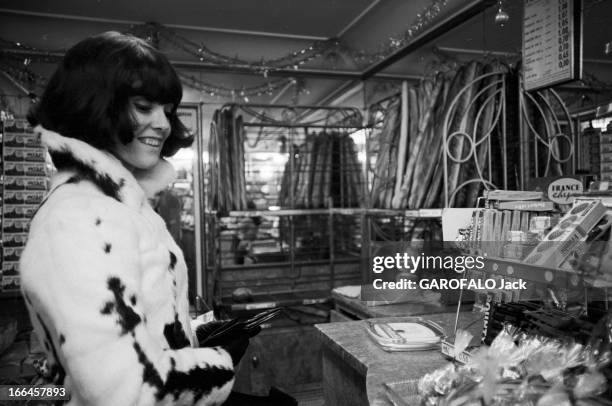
(422, 20)
(203, 54)
(154, 32)
(244, 92)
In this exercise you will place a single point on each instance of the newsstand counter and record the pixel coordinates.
(355, 368)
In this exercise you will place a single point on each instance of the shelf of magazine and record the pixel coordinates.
(24, 174)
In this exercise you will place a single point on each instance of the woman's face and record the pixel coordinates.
(151, 129)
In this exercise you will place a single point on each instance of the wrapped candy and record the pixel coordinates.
(552, 358)
(438, 382)
(590, 384)
(556, 396)
(536, 371)
(462, 341)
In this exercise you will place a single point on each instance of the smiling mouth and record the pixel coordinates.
(152, 142)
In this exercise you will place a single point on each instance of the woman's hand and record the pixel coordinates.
(206, 329)
(236, 347)
(235, 343)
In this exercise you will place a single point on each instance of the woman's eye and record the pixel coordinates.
(142, 107)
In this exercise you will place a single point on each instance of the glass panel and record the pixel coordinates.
(177, 204)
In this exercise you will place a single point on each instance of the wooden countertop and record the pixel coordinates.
(350, 341)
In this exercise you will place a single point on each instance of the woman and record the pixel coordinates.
(104, 281)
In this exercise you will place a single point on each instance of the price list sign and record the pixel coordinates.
(552, 48)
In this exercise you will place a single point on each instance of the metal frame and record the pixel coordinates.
(497, 99)
(544, 102)
(529, 137)
(291, 117)
(457, 18)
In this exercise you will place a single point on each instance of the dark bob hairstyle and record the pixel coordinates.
(87, 97)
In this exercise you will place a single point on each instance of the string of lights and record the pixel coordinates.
(162, 37)
(268, 88)
(204, 54)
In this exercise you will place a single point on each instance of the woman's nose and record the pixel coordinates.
(160, 119)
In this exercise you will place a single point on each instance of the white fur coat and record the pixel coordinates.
(106, 287)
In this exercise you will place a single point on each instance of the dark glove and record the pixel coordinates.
(236, 347)
(204, 330)
(235, 342)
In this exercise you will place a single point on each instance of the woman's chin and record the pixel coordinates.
(146, 167)
(146, 164)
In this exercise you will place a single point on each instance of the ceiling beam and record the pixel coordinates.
(473, 8)
(15, 83)
(358, 18)
(54, 57)
(505, 54)
(174, 26)
(337, 92)
(347, 94)
(275, 99)
(287, 72)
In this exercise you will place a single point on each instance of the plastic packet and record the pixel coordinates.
(439, 382)
(555, 396)
(462, 341)
(488, 360)
(590, 384)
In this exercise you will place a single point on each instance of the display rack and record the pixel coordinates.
(283, 220)
(546, 133)
(535, 276)
(593, 136)
(24, 172)
(301, 238)
(568, 283)
(498, 135)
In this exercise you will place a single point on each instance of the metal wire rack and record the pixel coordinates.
(277, 176)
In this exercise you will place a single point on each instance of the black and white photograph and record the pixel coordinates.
(306, 203)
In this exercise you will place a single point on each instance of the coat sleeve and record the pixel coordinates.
(82, 285)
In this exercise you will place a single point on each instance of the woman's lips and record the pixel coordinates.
(150, 141)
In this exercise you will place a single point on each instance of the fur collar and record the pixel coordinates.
(106, 170)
